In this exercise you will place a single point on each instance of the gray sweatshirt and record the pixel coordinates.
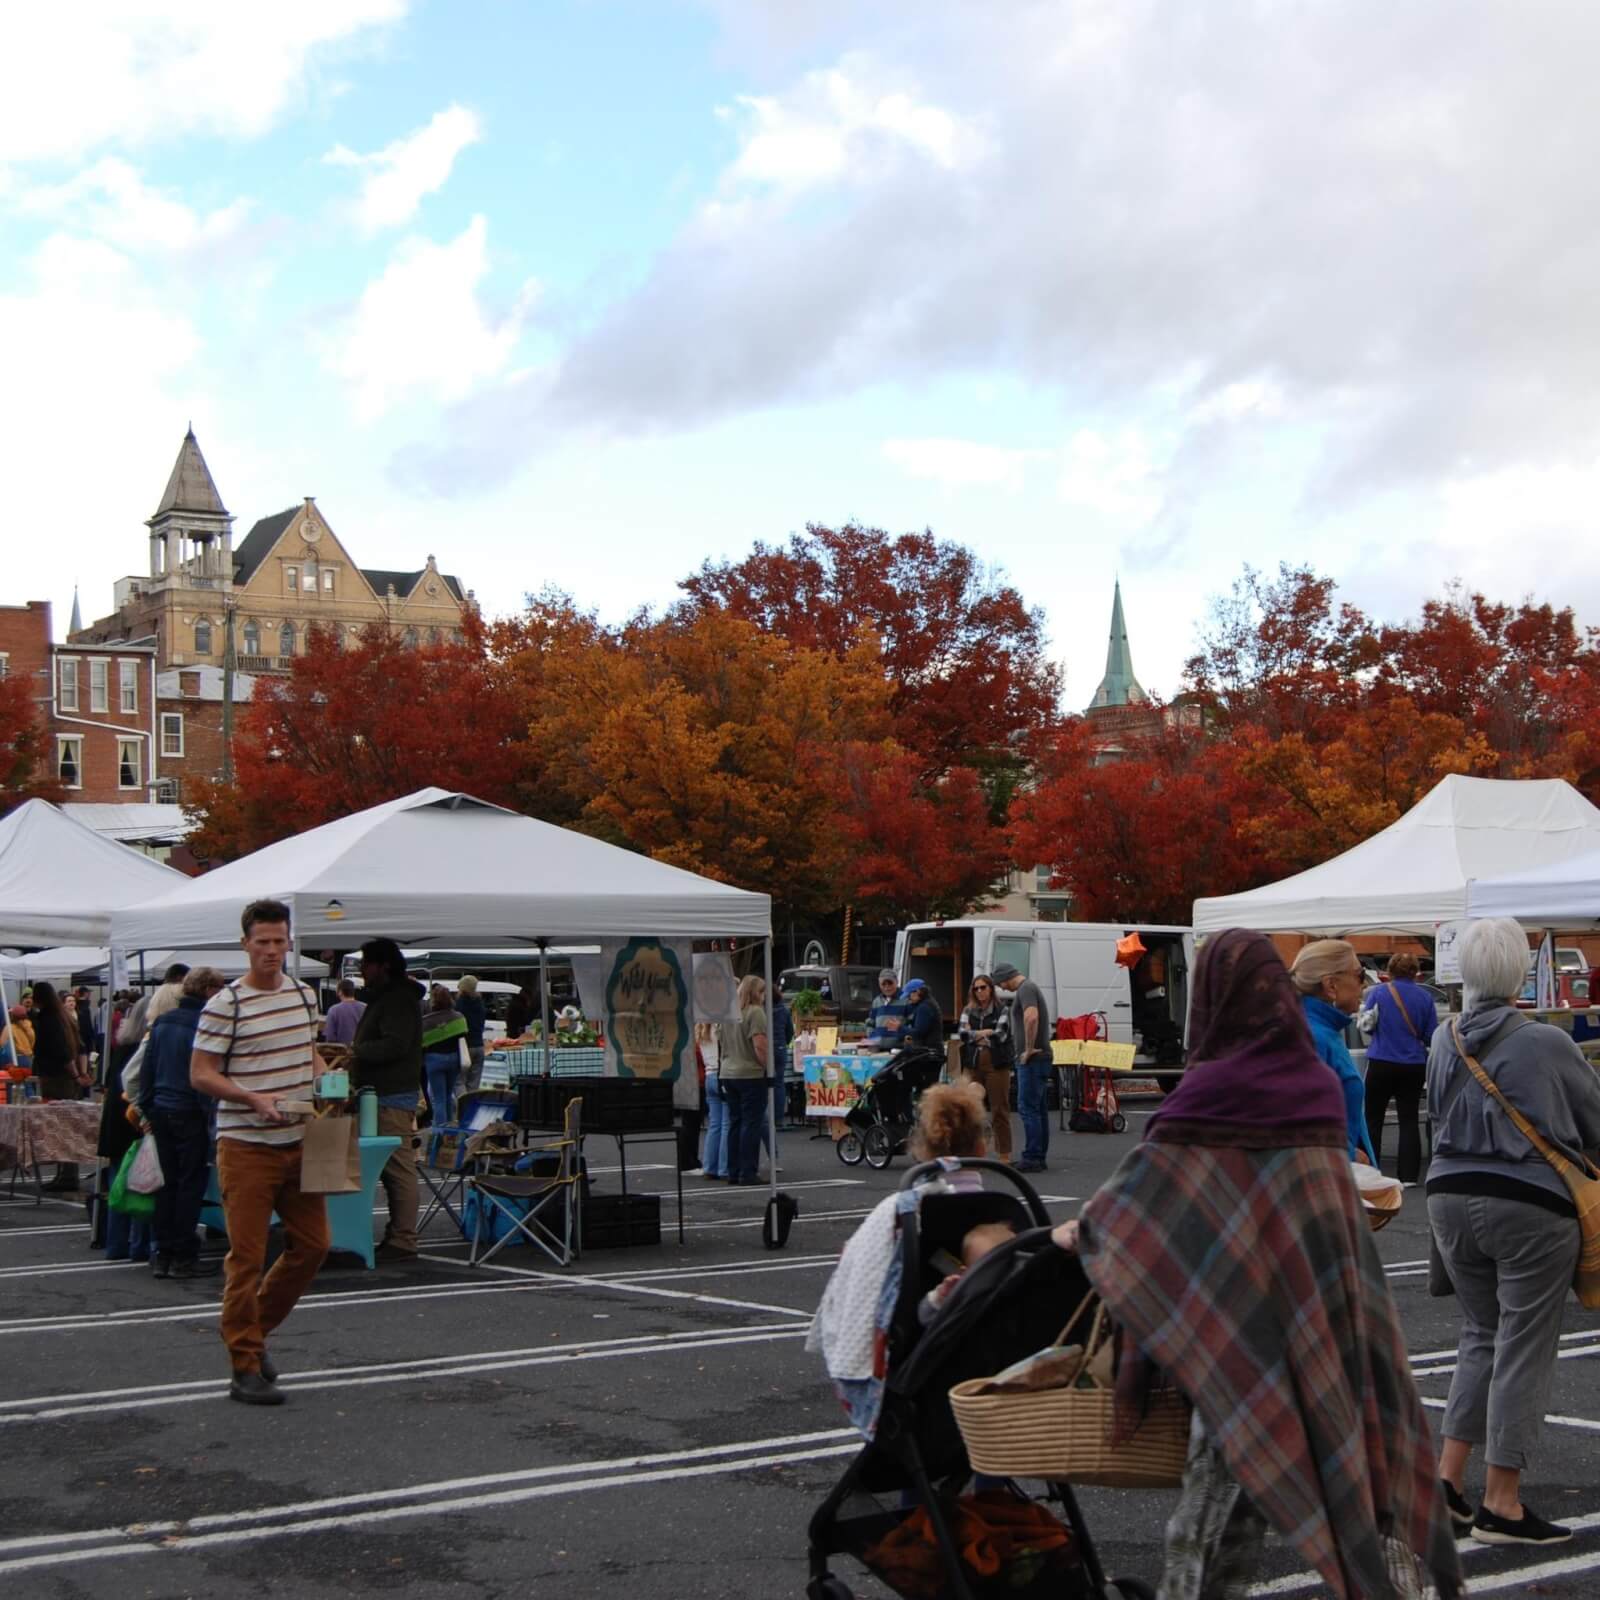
(1539, 1070)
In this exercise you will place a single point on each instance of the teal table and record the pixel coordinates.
(349, 1215)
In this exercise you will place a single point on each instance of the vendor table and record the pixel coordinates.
(35, 1132)
(833, 1083)
(349, 1215)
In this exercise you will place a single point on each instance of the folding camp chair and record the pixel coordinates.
(543, 1207)
(448, 1154)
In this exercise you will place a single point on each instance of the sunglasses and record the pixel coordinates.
(981, 988)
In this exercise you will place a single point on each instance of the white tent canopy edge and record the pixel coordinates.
(1425, 868)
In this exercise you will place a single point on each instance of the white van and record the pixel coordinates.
(1075, 964)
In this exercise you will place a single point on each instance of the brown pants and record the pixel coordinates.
(996, 1085)
(399, 1176)
(256, 1180)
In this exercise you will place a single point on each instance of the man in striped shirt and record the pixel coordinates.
(256, 1045)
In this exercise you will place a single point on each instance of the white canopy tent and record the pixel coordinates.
(1565, 896)
(92, 961)
(441, 869)
(1421, 870)
(60, 881)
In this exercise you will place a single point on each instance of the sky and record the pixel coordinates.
(584, 292)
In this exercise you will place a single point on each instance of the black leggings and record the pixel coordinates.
(1403, 1084)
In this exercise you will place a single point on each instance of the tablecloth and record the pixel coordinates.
(49, 1130)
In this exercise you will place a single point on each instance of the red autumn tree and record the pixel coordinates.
(24, 747)
(352, 727)
(966, 658)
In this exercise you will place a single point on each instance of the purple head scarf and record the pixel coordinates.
(1254, 1076)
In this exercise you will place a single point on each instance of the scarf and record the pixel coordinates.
(1254, 1077)
(440, 1027)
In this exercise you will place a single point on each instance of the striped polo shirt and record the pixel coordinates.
(264, 1038)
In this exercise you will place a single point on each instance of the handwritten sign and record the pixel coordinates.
(1092, 1053)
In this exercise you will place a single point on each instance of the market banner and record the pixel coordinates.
(833, 1083)
(716, 989)
(647, 1006)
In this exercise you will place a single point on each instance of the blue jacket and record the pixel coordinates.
(164, 1073)
(1393, 1040)
(1328, 1023)
(923, 1027)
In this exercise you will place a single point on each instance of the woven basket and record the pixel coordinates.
(1066, 1433)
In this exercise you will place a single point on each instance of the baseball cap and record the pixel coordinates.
(890, 974)
(916, 986)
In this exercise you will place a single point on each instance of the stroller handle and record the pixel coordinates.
(1030, 1195)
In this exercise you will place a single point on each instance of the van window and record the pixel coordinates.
(863, 988)
(1013, 949)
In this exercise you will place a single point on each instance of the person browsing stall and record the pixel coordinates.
(386, 1056)
(924, 1025)
(339, 1026)
(986, 1055)
(1397, 1060)
(1328, 975)
(255, 1045)
(887, 1014)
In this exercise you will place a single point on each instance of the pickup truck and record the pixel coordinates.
(847, 992)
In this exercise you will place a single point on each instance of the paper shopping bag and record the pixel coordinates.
(330, 1158)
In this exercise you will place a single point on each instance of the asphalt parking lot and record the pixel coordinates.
(648, 1420)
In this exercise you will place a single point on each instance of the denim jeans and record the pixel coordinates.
(748, 1099)
(1033, 1079)
(716, 1156)
(183, 1141)
(442, 1072)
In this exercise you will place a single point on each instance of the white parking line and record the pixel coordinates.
(51, 1408)
(1560, 1422)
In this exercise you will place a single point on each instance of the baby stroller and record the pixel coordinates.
(1011, 1303)
(880, 1121)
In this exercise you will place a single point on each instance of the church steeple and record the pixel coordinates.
(1119, 687)
(75, 627)
(192, 513)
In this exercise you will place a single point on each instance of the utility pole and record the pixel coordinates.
(229, 663)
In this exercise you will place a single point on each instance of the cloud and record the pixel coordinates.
(420, 326)
(961, 463)
(112, 202)
(402, 174)
(1373, 225)
(73, 77)
(1114, 475)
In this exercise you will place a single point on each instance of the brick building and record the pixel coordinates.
(289, 574)
(99, 702)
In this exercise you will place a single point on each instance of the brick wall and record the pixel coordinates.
(25, 644)
(202, 740)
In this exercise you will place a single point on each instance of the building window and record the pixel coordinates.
(166, 791)
(202, 637)
(286, 639)
(252, 638)
(291, 577)
(5, 663)
(69, 683)
(327, 580)
(128, 685)
(128, 763)
(410, 638)
(99, 685)
(69, 762)
(171, 733)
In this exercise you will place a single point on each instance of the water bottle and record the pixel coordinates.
(367, 1104)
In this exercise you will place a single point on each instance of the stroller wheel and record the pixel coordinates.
(828, 1587)
(848, 1149)
(1119, 1123)
(879, 1147)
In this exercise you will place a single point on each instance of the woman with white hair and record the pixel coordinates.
(1328, 976)
(1504, 1224)
(743, 1077)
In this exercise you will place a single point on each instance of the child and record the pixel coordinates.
(976, 1243)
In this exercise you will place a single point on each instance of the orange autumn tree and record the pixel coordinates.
(351, 727)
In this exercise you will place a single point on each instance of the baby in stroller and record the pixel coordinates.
(897, 1329)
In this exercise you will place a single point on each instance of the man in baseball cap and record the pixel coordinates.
(888, 1013)
(1030, 1033)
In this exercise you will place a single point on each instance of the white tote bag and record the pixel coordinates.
(145, 1176)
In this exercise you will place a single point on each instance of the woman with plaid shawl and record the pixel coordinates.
(1232, 1250)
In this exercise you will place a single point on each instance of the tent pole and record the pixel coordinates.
(544, 1006)
(775, 1064)
(11, 1033)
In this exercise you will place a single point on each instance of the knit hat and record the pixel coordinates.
(468, 985)
(1004, 973)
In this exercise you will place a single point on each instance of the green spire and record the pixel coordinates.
(1119, 687)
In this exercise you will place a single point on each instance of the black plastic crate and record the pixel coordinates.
(610, 1105)
(613, 1221)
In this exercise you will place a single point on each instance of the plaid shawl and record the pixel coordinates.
(1248, 1275)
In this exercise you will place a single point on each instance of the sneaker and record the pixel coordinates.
(695, 1172)
(393, 1255)
(195, 1268)
(1529, 1528)
(1031, 1166)
(160, 1266)
(1460, 1508)
(251, 1389)
(269, 1368)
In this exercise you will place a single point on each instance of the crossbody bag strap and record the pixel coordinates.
(1399, 1000)
(1559, 1159)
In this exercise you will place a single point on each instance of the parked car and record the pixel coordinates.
(847, 992)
